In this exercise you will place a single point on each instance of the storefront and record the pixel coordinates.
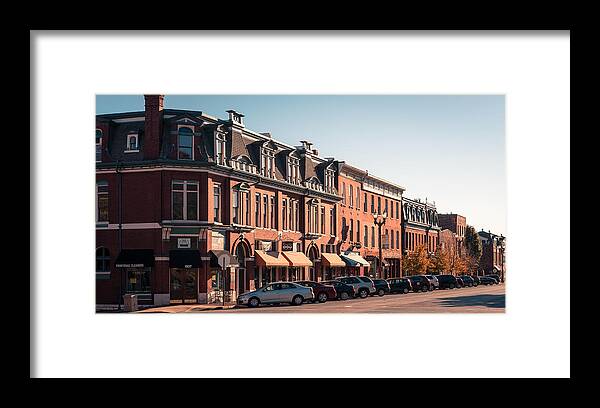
(353, 263)
(223, 276)
(136, 267)
(333, 266)
(298, 262)
(184, 267)
(270, 266)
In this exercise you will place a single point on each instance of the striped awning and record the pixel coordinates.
(270, 259)
(354, 259)
(332, 260)
(297, 258)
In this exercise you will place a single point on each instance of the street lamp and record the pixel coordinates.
(379, 220)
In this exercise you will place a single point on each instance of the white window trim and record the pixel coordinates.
(137, 143)
(193, 150)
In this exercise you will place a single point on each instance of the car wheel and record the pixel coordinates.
(253, 302)
(405, 290)
(363, 293)
(344, 295)
(322, 297)
(297, 300)
(381, 292)
(451, 286)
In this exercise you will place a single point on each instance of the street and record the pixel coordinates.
(487, 299)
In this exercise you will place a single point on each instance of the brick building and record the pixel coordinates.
(420, 225)
(457, 224)
(365, 196)
(493, 258)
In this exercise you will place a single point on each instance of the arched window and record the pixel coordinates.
(185, 143)
(98, 145)
(102, 263)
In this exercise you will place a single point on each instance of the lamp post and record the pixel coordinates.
(379, 220)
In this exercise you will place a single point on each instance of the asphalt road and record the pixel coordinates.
(465, 300)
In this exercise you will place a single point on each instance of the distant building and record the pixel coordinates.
(420, 225)
(493, 258)
(457, 224)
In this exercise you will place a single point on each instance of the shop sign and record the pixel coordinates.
(184, 242)
(287, 246)
(266, 245)
(218, 240)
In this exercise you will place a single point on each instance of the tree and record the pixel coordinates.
(473, 243)
(417, 262)
(440, 262)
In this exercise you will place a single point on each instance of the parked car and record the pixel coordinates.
(381, 286)
(467, 280)
(322, 292)
(343, 290)
(459, 282)
(447, 281)
(399, 285)
(420, 283)
(486, 280)
(277, 292)
(476, 281)
(433, 280)
(363, 286)
(495, 276)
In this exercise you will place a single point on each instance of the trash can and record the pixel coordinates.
(130, 303)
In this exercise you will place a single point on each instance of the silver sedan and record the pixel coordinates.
(277, 292)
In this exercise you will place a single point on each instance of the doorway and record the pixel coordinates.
(184, 285)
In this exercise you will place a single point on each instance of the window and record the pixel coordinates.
(265, 211)
(292, 209)
(185, 142)
(217, 202)
(332, 221)
(132, 142)
(343, 193)
(372, 237)
(102, 201)
(378, 205)
(357, 197)
(257, 210)
(185, 200)
(284, 209)
(102, 263)
(322, 220)
(392, 210)
(372, 204)
(397, 240)
(98, 145)
(397, 210)
(296, 215)
(386, 207)
(344, 231)
(267, 162)
(365, 203)
(220, 148)
(246, 197)
(351, 231)
(358, 231)
(366, 237)
(272, 213)
(392, 240)
(293, 175)
(235, 205)
(351, 195)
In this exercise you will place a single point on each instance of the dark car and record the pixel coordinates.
(476, 281)
(486, 280)
(495, 276)
(381, 286)
(420, 283)
(459, 282)
(343, 290)
(467, 280)
(447, 281)
(322, 292)
(399, 285)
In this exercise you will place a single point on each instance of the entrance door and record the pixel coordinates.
(184, 285)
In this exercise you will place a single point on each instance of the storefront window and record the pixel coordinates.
(138, 279)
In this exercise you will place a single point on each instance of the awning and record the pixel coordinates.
(332, 260)
(354, 259)
(270, 259)
(184, 258)
(135, 258)
(215, 254)
(297, 258)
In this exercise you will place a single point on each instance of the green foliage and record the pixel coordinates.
(473, 243)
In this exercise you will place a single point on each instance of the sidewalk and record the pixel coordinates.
(186, 308)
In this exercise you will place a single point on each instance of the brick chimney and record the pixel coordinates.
(153, 106)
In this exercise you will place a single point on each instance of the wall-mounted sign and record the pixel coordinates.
(184, 243)
(266, 245)
(218, 240)
(287, 246)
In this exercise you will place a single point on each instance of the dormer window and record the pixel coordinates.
(330, 180)
(236, 117)
(132, 143)
(267, 162)
(220, 148)
(293, 173)
(98, 145)
(185, 143)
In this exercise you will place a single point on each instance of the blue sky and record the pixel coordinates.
(447, 148)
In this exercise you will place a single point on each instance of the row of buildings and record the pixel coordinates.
(192, 208)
